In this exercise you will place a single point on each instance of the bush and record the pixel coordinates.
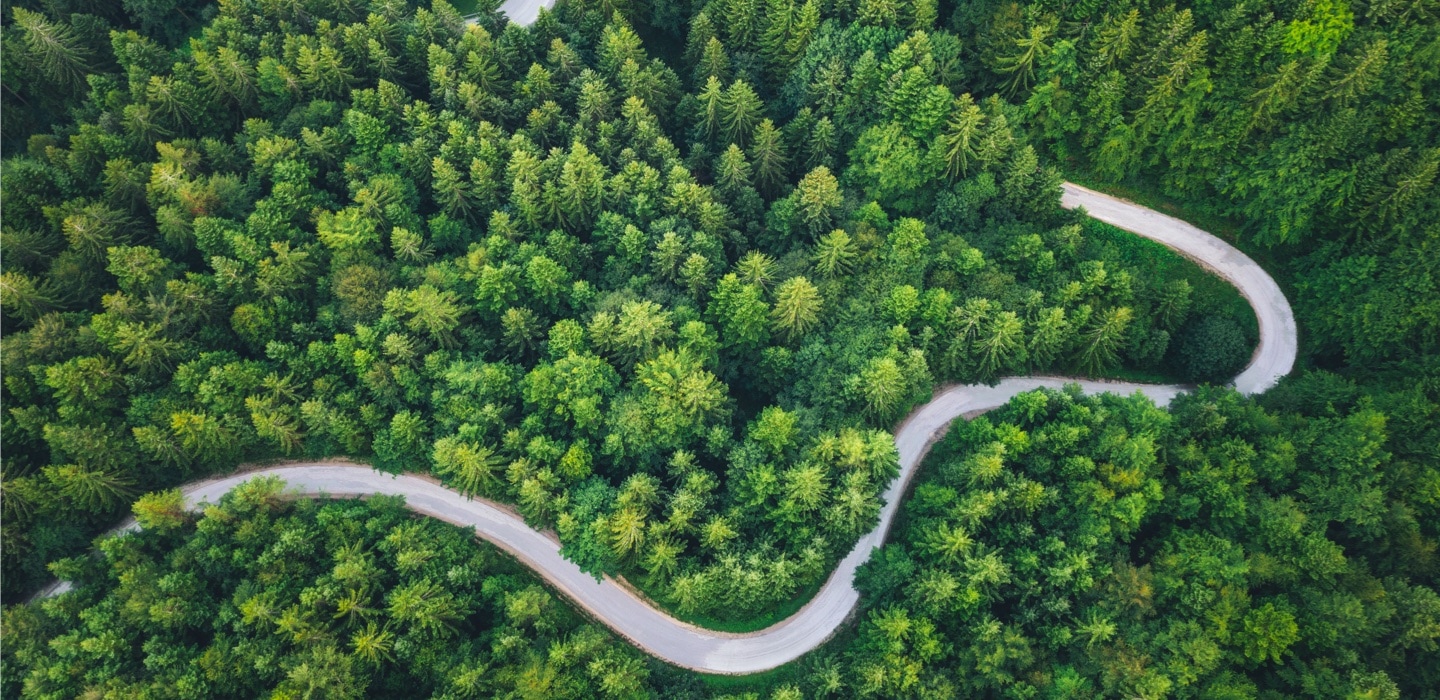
(1213, 349)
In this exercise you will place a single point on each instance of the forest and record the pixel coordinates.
(662, 276)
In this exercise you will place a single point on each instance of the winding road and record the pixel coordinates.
(709, 651)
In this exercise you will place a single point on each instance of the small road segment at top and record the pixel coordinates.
(524, 12)
(683, 644)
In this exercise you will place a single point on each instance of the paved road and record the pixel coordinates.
(1275, 355)
(718, 652)
(524, 12)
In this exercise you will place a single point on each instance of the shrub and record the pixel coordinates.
(1212, 349)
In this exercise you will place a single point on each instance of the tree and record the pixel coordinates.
(323, 71)
(733, 171)
(25, 298)
(714, 61)
(627, 532)
(687, 394)
(430, 310)
(797, 308)
(426, 606)
(94, 229)
(882, 386)
(470, 465)
(890, 166)
(162, 511)
(90, 488)
(145, 346)
(740, 112)
(712, 100)
(1214, 349)
(451, 189)
(520, 331)
(740, 311)
(637, 333)
(819, 199)
(821, 144)
(1355, 78)
(1001, 346)
(582, 186)
(834, 254)
(55, 47)
(778, 24)
(373, 644)
(883, 13)
(1048, 337)
(1268, 632)
(756, 268)
(1028, 52)
(960, 136)
(695, 272)
(767, 151)
(1100, 344)
(573, 388)
(203, 437)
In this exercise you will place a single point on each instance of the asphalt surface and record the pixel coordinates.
(1275, 355)
(703, 650)
(524, 12)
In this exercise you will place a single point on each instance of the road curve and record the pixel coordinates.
(1275, 355)
(708, 651)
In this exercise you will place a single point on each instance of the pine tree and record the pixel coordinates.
(1100, 344)
(702, 31)
(742, 23)
(732, 171)
(582, 186)
(520, 331)
(714, 62)
(323, 72)
(55, 47)
(819, 199)
(1116, 38)
(922, 15)
(778, 23)
(1357, 76)
(564, 61)
(1049, 336)
(880, 13)
(1001, 346)
(712, 100)
(470, 466)
(451, 189)
(797, 307)
(740, 311)
(93, 489)
(767, 152)
(740, 111)
(834, 254)
(756, 268)
(820, 145)
(807, 22)
(1028, 53)
(24, 298)
(961, 135)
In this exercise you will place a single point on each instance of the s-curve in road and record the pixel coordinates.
(718, 652)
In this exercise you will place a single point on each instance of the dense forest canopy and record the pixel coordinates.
(492, 261)
(662, 276)
(227, 607)
(1101, 547)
